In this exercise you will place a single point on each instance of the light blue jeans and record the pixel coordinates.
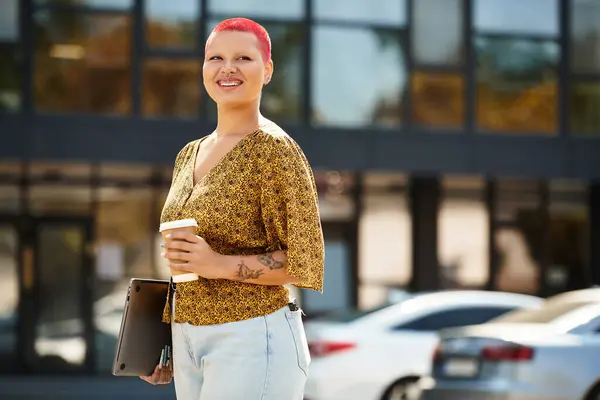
(264, 358)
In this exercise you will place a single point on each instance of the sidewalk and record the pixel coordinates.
(81, 388)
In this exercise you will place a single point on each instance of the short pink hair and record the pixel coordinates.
(247, 25)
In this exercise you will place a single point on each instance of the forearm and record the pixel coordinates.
(267, 269)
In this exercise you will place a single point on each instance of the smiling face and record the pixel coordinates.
(234, 71)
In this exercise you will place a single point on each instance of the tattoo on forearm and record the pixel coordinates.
(268, 261)
(244, 272)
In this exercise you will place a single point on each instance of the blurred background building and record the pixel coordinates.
(456, 144)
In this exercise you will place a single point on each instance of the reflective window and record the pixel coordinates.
(127, 244)
(437, 32)
(9, 301)
(121, 172)
(463, 232)
(389, 12)
(171, 23)
(585, 108)
(335, 199)
(342, 92)
(282, 98)
(437, 99)
(519, 241)
(385, 223)
(171, 87)
(10, 71)
(59, 339)
(585, 36)
(569, 236)
(337, 274)
(538, 17)
(60, 171)
(50, 199)
(122, 4)
(516, 85)
(9, 21)
(289, 9)
(9, 199)
(75, 51)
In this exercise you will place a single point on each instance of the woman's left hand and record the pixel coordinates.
(197, 255)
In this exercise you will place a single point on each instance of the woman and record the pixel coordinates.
(236, 333)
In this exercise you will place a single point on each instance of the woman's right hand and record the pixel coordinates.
(160, 376)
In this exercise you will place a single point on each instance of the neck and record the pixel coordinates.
(238, 120)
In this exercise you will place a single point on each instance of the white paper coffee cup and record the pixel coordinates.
(187, 225)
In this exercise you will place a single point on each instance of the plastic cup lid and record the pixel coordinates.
(182, 223)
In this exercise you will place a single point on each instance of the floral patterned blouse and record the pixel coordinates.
(259, 198)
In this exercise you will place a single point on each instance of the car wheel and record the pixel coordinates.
(406, 389)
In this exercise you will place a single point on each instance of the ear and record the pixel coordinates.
(269, 68)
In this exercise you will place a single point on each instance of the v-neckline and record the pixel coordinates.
(218, 163)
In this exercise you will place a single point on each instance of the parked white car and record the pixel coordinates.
(382, 354)
(550, 353)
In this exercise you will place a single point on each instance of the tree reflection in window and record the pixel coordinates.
(82, 62)
(516, 85)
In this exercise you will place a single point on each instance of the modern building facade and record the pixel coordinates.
(456, 143)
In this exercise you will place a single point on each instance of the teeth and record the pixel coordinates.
(229, 83)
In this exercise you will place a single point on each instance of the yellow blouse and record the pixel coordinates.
(260, 197)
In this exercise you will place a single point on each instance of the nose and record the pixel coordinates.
(228, 69)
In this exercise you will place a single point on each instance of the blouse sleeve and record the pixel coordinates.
(290, 211)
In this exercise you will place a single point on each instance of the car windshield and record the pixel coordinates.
(348, 315)
(551, 311)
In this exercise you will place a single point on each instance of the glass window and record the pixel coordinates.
(60, 171)
(538, 17)
(438, 32)
(463, 232)
(75, 51)
(171, 87)
(455, 318)
(384, 224)
(437, 99)
(9, 199)
(337, 273)
(519, 240)
(585, 36)
(9, 301)
(289, 9)
(335, 200)
(10, 77)
(119, 4)
(10, 71)
(342, 92)
(46, 199)
(121, 172)
(389, 12)
(9, 21)
(516, 85)
(172, 23)
(569, 236)
(585, 108)
(282, 98)
(127, 245)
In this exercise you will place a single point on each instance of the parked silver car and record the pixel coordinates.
(550, 353)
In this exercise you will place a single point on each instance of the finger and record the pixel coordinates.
(178, 255)
(182, 235)
(146, 379)
(165, 375)
(179, 245)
